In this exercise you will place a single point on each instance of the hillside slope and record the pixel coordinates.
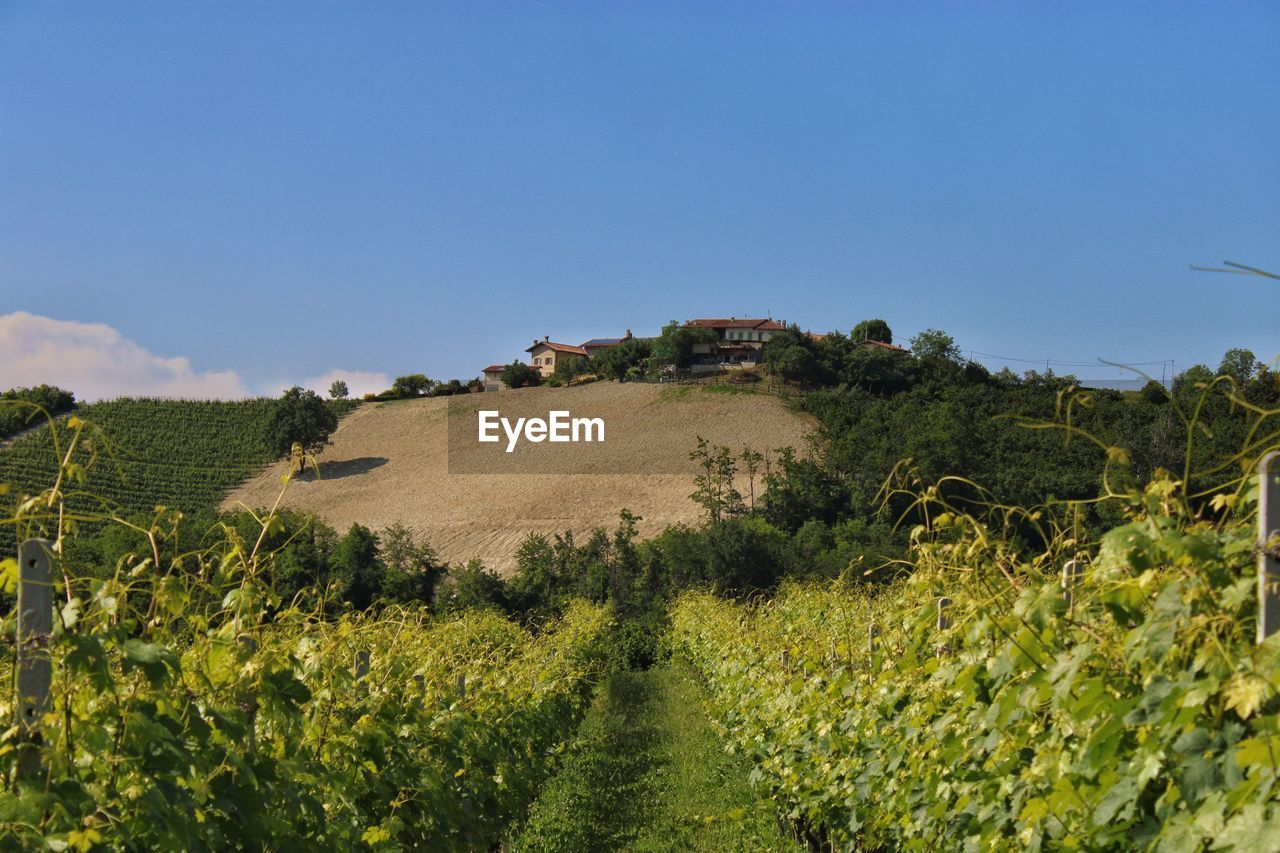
(143, 453)
(392, 462)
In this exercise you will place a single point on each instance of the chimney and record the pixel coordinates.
(627, 336)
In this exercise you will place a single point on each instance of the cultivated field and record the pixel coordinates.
(391, 462)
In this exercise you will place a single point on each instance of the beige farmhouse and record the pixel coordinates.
(546, 353)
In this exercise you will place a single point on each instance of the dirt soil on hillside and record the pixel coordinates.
(391, 462)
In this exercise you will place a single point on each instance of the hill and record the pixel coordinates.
(183, 454)
(417, 462)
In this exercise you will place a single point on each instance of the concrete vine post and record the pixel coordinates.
(1071, 572)
(35, 667)
(944, 620)
(1268, 559)
(361, 666)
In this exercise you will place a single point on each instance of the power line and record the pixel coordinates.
(1046, 361)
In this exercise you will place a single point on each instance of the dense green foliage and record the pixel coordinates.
(1028, 440)
(517, 374)
(20, 407)
(569, 368)
(142, 453)
(872, 330)
(411, 385)
(624, 361)
(1140, 715)
(1136, 712)
(195, 707)
(207, 730)
(302, 418)
(674, 347)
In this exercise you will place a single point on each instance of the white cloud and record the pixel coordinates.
(96, 362)
(359, 382)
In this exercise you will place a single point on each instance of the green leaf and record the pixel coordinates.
(9, 575)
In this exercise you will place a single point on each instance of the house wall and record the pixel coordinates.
(544, 359)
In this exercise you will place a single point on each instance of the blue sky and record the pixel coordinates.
(277, 190)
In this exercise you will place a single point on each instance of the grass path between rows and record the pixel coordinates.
(647, 772)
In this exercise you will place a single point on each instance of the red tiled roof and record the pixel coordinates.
(569, 348)
(768, 325)
(494, 368)
(883, 345)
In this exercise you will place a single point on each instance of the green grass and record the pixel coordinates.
(648, 773)
(732, 389)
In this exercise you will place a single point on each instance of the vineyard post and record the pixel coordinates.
(361, 664)
(1268, 560)
(944, 620)
(1071, 571)
(35, 668)
(420, 683)
(873, 636)
(462, 687)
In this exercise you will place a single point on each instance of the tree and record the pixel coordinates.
(617, 362)
(752, 460)
(20, 407)
(338, 390)
(354, 564)
(412, 569)
(1240, 364)
(517, 374)
(448, 389)
(1187, 380)
(794, 363)
(472, 586)
(872, 330)
(410, 386)
(935, 344)
(300, 417)
(715, 485)
(675, 345)
(793, 355)
(570, 367)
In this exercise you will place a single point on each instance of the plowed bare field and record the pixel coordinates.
(391, 462)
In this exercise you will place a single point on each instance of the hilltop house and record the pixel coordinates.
(544, 355)
(492, 377)
(882, 345)
(594, 345)
(739, 343)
